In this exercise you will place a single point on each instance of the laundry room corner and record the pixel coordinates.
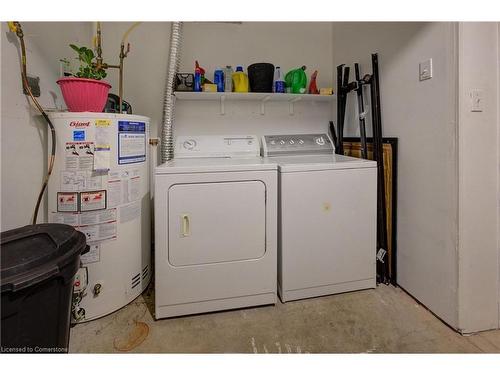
(230, 180)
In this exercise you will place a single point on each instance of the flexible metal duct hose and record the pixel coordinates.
(167, 148)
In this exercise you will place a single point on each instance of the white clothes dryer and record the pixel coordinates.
(215, 227)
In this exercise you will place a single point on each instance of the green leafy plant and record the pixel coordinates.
(88, 68)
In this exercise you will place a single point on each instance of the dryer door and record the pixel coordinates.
(216, 222)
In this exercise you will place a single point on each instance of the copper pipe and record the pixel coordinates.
(99, 47)
(123, 54)
(100, 64)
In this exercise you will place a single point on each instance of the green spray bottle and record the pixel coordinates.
(296, 80)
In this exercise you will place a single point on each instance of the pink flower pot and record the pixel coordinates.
(84, 95)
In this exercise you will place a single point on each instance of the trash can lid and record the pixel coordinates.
(34, 253)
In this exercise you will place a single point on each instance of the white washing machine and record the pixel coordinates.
(215, 227)
(327, 217)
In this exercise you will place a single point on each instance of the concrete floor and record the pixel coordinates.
(384, 320)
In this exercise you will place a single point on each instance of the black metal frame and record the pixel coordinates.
(361, 110)
(343, 88)
(393, 141)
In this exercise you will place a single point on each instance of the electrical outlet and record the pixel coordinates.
(34, 85)
(425, 70)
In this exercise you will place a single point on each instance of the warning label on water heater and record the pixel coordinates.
(131, 142)
(67, 202)
(92, 200)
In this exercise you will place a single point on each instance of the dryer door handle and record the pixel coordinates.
(185, 231)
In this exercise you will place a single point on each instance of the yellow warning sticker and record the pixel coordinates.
(102, 122)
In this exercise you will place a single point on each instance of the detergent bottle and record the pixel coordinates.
(240, 80)
(296, 80)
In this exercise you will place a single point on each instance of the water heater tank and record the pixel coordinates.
(100, 185)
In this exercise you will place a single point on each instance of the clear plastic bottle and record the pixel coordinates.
(279, 82)
(228, 80)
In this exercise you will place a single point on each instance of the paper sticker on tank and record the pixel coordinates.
(102, 158)
(93, 255)
(93, 180)
(92, 200)
(80, 180)
(99, 232)
(73, 180)
(102, 151)
(79, 155)
(134, 188)
(97, 217)
(131, 142)
(67, 202)
(103, 133)
(69, 218)
(114, 192)
(123, 187)
(86, 159)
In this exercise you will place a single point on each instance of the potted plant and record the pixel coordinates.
(85, 91)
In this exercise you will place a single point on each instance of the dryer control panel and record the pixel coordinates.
(216, 146)
(297, 144)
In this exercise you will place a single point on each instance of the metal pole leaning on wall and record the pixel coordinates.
(338, 146)
(378, 155)
(343, 88)
(361, 113)
(167, 147)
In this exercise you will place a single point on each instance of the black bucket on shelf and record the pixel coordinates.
(260, 77)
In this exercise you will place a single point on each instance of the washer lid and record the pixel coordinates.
(320, 162)
(200, 165)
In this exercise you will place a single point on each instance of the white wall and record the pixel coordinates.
(145, 68)
(220, 44)
(478, 178)
(423, 116)
(23, 131)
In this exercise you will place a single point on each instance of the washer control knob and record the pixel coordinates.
(320, 141)
(292, 142)
(301, 141)
(282, 142)
(189, 144)
(273, 142)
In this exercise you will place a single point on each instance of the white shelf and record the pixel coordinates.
(261, 97)
(191, 95)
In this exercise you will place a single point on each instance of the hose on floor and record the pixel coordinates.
(15, 27)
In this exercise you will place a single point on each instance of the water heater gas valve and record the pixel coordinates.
(97, 289)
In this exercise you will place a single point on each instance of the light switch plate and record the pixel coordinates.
(425, 70)
(476, 97)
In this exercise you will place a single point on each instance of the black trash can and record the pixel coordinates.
(38, 265)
